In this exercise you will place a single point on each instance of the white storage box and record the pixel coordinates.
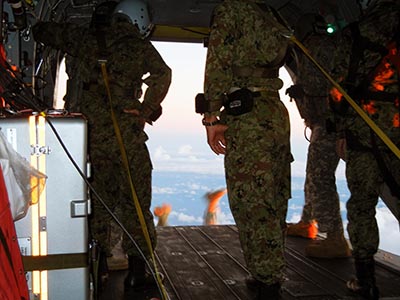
(53, 236)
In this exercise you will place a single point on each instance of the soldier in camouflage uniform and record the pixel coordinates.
(311, 95)
(247, 46)
(368, 65)
(129, 56)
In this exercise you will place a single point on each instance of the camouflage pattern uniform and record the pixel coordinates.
(128, 59)
(364, 175)
(321, 197)
(257, 160)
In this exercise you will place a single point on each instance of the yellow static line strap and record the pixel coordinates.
(55, 261)
(353, 104)
(126, 165)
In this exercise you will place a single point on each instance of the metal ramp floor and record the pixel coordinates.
(206, 262)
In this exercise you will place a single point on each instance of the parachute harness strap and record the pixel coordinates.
(353, 104)
(126, 165)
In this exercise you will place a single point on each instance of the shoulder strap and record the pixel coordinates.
(101, 45)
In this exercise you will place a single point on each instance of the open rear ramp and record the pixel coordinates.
(206, 262)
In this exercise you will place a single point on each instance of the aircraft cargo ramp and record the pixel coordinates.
(206, 262)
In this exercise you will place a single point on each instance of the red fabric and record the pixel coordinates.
(13, 284)
(2, 55)
(2, 63)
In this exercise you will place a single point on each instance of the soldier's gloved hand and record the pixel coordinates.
(156, 114)
(296, 91)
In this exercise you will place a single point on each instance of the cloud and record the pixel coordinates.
(160, 154)
(341, 171)
(225, 218)
(172, 155)
(295, 207)
(343, 205)
(296, 217)
(296, 186)
(346, 235)
(187, 218)
(186, 150)
(163, 190)
(201, 166)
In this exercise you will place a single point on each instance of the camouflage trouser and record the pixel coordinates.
(257, 166)
(365, 180)
(111, 182)
(320, 194)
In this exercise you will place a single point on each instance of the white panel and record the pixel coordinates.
(66, 198)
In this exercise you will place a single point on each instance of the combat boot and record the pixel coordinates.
(334, 246)
(268, 291)
(365, 283)
(251, 282)
(303, 229)
(138, 278)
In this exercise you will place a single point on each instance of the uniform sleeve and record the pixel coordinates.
(59, 36)
(218, 74)
(158, 82)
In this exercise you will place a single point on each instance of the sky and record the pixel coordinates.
(177, 141)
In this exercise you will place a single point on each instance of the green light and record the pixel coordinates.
(330, 28)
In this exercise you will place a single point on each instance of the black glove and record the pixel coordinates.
(156, 114)
(296, 91)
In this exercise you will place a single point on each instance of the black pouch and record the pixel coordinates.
(200, 104)
(239, 102)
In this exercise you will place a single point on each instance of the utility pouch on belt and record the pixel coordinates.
(239, 102)
(200, 103)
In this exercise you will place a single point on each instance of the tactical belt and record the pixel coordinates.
(257, 91)
(255, 72)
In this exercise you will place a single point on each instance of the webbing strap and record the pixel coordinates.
(55, 261)
(353, 104)
(126, 165)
